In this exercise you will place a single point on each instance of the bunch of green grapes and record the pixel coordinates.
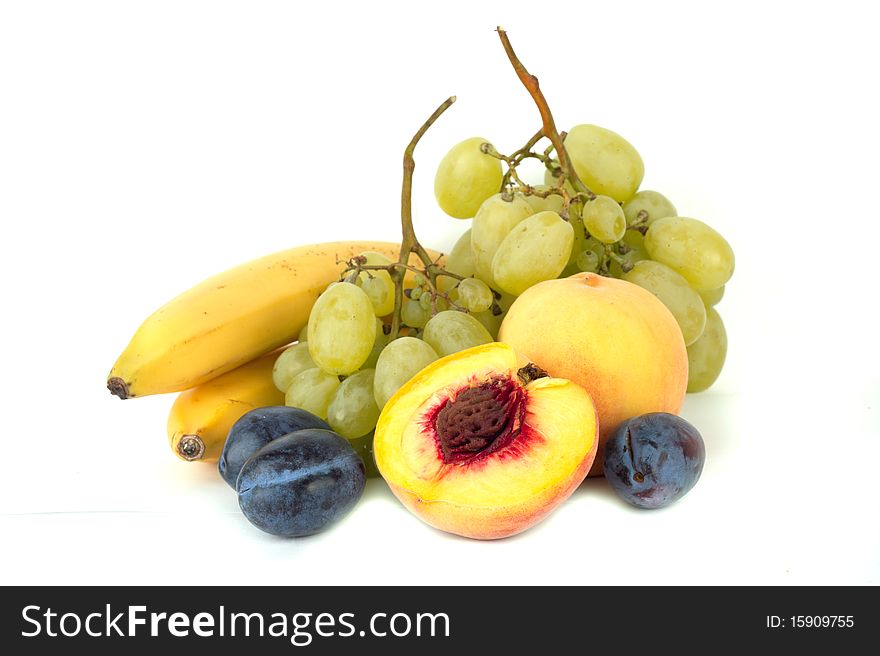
(594, 219)
(330, 370)
(346, 365)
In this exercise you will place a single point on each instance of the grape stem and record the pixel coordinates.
(625, 265)
(526, 150)
(507, 188)
(390, 268)
(489, 149)
(356, 265)
(409, 243)
(530, 82)
(640, 224)
(517, 157)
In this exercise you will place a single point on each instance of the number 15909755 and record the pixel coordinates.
(810, 622)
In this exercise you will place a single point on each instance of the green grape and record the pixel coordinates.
(425, 301)
(415, 293)
(712, 297)
(536, 249)
(402, 359)
(474, 295)
(604, 161)
(312, 390)
(460, 261)
(635, 241)
(292, 361)
(597, 246)
(587, 244)
(378, 285)
(413, 314)
(378, 344)
(505, 301)
(604, 219)
(353, 411)
(588, 261)
(453, 331)
(570, 270)
(465, 178)
(636, 252)
(552, 203)
(706, 355)
(491, 322)
(693, 249)
(461, 258)
(580, 239)
(303, 334)
(654, 204)
(675, 293)
(342, 328)
(380, 292)
(364, 448)
(446, 283)
(493, 222)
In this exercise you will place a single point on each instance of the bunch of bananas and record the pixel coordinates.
(217, 342)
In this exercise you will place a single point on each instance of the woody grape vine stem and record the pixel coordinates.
(530, 82)
(409, 243)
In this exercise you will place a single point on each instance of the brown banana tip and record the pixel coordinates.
(118, 387)
(190, 448)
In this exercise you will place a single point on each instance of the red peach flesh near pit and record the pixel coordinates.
(476, 421)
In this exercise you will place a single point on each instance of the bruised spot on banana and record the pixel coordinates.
(231, 319)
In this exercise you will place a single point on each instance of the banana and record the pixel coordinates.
(201, 417)
(231, 318)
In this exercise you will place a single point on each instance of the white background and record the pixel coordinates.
(145, 146)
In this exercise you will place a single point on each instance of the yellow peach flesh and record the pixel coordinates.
(502, 492)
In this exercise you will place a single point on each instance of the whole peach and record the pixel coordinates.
(614, 338)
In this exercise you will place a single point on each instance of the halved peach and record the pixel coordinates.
(483, 444)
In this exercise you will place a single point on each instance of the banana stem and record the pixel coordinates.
(118, 387)
(191, 447)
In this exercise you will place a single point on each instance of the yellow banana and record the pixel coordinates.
(231, 318)
(201, 417)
